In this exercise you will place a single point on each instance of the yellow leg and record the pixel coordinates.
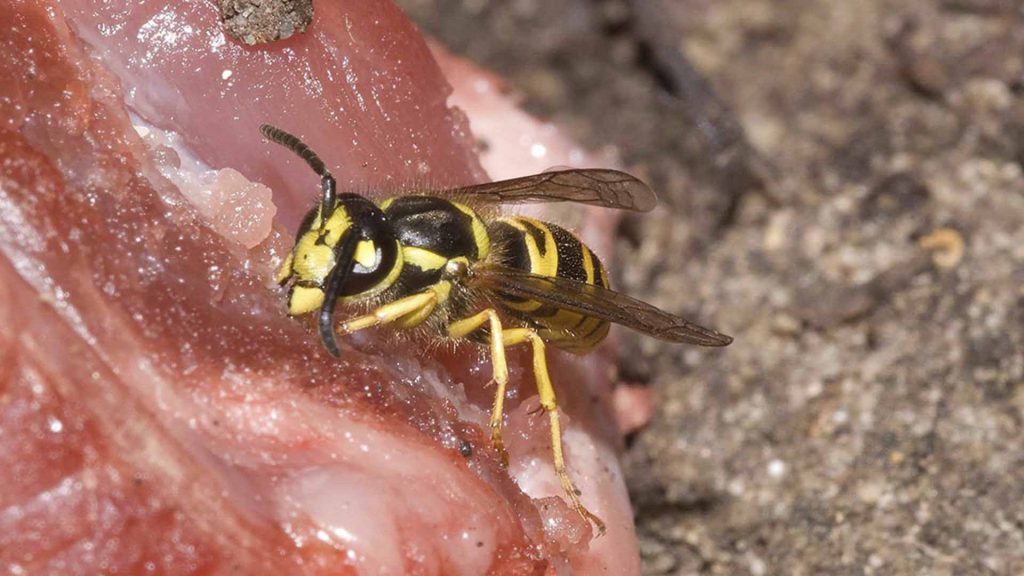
(465, 327)
(391, 312)
(547, 401)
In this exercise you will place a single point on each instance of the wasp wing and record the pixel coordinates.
(594, 301)
(594, 186)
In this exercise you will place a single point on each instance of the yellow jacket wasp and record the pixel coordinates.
(444, 262)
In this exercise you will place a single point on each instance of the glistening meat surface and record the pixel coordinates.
(159, 412)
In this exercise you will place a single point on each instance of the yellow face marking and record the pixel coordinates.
(285, 272)
(337, 223)
(423, 258)
(304, 300)
(311, 261)
(366, 253)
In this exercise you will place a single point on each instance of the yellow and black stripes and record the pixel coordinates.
(427, 261)
(375, 263)
(549, 250)
(423, 235)
(432, 232)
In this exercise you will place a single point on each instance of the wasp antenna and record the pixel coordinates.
(292, 142)
(327, 330)
(344, 254)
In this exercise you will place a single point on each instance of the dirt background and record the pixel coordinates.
(843, 194)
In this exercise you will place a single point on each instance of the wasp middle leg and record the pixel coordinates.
(501, 338)
(499, 367)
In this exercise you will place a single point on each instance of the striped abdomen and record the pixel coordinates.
(550, 250)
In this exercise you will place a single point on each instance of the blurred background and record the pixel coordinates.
(842, 192)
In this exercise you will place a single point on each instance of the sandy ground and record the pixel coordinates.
(843, 194)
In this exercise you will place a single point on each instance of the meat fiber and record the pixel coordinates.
(159, 412)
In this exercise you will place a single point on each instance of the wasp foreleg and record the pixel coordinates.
(420, 304)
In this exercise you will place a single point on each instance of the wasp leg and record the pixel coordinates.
(420, 304)
(465, 327)
(546, 391)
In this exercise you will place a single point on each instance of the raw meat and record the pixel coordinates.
(159, 412)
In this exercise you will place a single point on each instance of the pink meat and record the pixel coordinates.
(359, 85)
(159, 413)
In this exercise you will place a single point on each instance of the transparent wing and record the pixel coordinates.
(597, 187)
(595, 302)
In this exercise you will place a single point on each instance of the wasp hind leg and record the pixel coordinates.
(465, 327)
(499, 340)
(548, 403)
